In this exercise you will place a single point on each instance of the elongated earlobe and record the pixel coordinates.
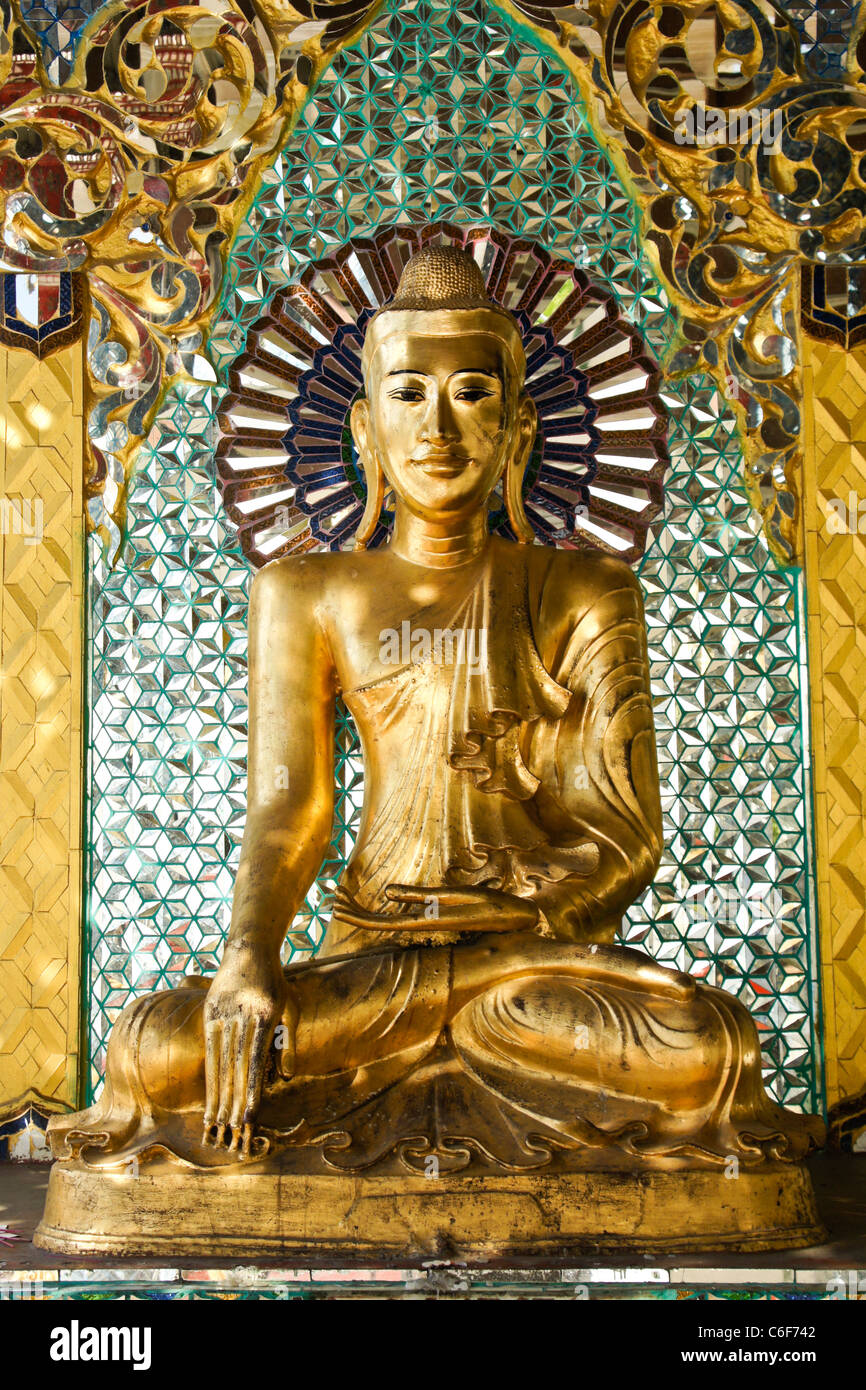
(375, 480)
(512, 483)
(373, 475)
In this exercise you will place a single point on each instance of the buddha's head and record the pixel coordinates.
(445, 413)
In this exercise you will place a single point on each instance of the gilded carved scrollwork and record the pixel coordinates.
(136, 170)
(138, 167)
(747, 171)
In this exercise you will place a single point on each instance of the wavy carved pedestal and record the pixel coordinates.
(164, 1211)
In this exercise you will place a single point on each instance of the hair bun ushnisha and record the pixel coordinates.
(440, 280)
(441, 277)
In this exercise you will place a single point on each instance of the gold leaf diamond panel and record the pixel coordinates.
(835, 516)
(41, 641)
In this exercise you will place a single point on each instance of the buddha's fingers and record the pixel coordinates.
(256, 1074)
(401, 921)
(357, 917)
(249, 1074)
(478, 909)
(213, 1043)
(227, 1074)
(239, 1081)
(444, 897)
(247, 1140)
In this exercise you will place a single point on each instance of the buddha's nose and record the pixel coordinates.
(440, 426)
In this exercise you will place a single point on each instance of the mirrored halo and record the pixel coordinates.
(288, 470)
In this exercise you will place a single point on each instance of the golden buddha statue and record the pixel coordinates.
(469, 1047)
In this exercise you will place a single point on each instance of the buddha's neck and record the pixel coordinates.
(438, 544)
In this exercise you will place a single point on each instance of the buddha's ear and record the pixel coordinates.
(527, 425)
(373, 475)
(359, 419)
(512, 483)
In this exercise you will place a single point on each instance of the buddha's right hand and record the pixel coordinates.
(242, 1009)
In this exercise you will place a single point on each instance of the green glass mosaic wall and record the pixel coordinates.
(444, 111)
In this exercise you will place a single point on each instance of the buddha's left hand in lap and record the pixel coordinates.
(444, 909)
(487, 911)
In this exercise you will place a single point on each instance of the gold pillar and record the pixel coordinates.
(41, 693)
(835, 471)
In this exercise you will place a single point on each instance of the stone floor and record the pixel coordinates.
(837, 1268)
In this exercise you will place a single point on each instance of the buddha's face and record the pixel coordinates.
(442, 416)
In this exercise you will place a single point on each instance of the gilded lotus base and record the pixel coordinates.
(169, 1212)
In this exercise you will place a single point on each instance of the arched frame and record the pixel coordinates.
(152, 248)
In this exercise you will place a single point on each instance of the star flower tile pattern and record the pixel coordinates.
(825, 33)
(57, 24)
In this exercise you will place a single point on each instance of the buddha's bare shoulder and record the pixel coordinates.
(318, 574)
(582, 575)
(570, 585)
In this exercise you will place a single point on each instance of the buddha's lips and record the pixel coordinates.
(443, 465)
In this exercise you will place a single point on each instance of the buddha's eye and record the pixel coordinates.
(407, 393)
(472, 394)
